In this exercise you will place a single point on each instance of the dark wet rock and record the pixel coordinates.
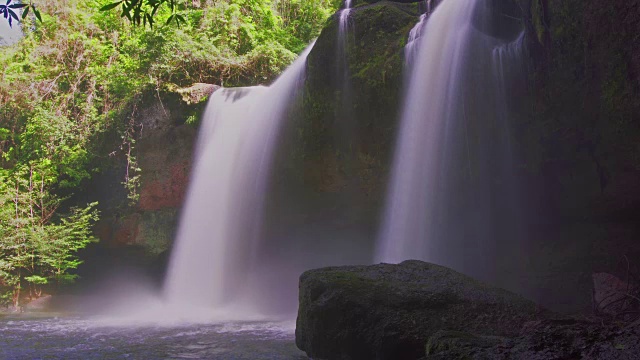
(460, 344)
(338, 152)
(610, 293)
(577, 134)
(417, 310)
(390, 311)
(543, 340)
(163, 153)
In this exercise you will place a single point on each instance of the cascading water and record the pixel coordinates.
(441, 196)
(507, 60)
(343, 31)
(219, 231)
(344, 16)
(344, 130)
(434, 81)
(411, 47)
(415, 34)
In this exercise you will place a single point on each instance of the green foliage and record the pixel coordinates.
(79, 73)
(37, 244)
(144, 11)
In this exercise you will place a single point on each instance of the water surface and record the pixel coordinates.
(93, 338)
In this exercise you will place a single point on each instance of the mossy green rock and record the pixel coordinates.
(334, 152)
(390, 311)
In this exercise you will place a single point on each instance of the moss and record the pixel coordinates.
(539, 25)
(336, 147)
(375, 59)
(157, 230)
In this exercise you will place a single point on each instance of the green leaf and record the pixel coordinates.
(169, 20)
(25, 12)
(36, 12)
(181, 19)
(18, 6)
(110, 6)
(149, 19)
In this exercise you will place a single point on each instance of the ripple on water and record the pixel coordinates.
(86, 338)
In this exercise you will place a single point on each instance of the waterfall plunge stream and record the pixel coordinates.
(452, 158)
(220, 228)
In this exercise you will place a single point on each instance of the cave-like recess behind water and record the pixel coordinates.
(450, 184)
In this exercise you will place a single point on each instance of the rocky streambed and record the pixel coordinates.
(417, 310)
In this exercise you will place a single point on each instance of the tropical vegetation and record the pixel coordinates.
(79, 72)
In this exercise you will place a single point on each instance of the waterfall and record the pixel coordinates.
(507, 61)
(344, 16)
(415, 34)
(220, 228)
(344, 130)
(412, 46)
(434, 82)
(343, 31)
(448, 160)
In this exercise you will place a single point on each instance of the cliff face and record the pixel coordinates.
(576, 130)
(584, 107)
(575, 127)
(338, 146)
(152, 148)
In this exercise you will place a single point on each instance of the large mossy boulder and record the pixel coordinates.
(390, 311)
